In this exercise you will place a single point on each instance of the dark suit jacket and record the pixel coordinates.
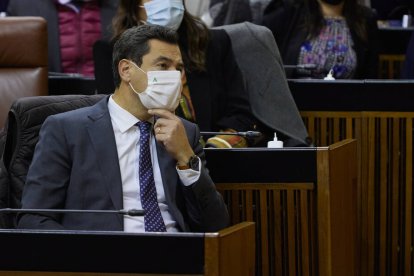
(75, 166)
(47, 10)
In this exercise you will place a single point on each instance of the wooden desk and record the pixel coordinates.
(303, 201)
(380, 115)
(68, 253)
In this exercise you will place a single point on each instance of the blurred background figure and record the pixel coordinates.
(392, 9)
(73, 28)
(408, 67)
(3, 7)
(225, 12)
(337, 35)
(199, 8)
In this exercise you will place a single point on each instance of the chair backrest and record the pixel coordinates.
(23, 60)
(25, 119)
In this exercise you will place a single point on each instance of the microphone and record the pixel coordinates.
(301, 66)
(246, 134)
(131, 212)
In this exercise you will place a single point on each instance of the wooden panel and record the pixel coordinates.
(342, 208)
(291, 237)
(383, 196)
(231, 251)
(44, 273)
(282, 212)
(305, 233)
(395, 199)
(408, 198)
(368, 196)
(385, 150)
(277, 244)
(390, 66)
(304, 228)
(324, 244)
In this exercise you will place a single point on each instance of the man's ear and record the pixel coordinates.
(124, 70)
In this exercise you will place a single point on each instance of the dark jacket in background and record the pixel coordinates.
(226, 12)
(264, 79)
(408, 68)
(218, 95)
(3, 5)
(286, 22)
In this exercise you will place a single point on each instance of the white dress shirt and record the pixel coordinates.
(127, 143)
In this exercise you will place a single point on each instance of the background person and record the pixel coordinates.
(338, 35)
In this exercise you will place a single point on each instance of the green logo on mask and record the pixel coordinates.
(154, 80)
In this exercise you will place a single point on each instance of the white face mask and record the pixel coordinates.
(163, 90)
(167, 13)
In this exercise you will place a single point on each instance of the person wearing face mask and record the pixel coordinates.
(213, 93)
(340, 36)
(128, 151)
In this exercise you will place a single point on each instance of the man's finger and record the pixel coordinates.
(162, 113)
(161, 122)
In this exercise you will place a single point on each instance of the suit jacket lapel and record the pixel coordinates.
(103, 141)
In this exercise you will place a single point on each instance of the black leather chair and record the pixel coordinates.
(25, 118)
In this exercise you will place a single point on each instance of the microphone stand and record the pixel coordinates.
(131, 212)
(246, 134)
(300, 66)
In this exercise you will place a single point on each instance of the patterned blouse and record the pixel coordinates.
(332, 49)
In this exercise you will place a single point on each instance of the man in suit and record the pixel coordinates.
(95, 158)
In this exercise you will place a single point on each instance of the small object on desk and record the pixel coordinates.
(329, 76)
(275, 143)
(406, 20)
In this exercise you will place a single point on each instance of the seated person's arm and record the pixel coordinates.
(47, 178)
(234, 104)
(205, 207)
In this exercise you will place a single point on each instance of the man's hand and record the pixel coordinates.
(170, 131)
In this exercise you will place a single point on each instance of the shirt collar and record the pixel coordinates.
(122, 118)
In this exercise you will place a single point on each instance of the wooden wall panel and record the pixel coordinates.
(385, 150)
(283, 216)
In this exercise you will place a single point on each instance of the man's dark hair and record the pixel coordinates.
(133, 45)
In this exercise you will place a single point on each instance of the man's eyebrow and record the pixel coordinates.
(161, 58)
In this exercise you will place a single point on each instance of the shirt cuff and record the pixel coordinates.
(189, 176)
